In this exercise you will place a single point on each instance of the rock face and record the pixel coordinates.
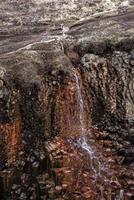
(18, 16)
(41, 49)
(111, 88)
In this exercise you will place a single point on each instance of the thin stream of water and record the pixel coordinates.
(80, 103)
(96, 166)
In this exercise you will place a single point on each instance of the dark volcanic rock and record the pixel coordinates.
(43, 44)
(127, 153)
(110, 81)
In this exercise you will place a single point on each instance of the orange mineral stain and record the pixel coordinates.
(12, 133)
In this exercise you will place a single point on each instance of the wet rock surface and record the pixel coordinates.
(74, 169)
(44, 55)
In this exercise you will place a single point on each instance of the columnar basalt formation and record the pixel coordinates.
(40, 121)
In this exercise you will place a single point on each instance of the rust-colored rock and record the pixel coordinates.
(12, 134)
(61, 74)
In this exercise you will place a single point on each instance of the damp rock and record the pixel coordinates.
(64, 186)
(18, 191)
(1, 83)
(38, 59)
(35, 165)
(54, 72)
(54, 82)
(120, 159)
(42, 156)
(58, 189)
(14, 186)
(46, 176)
(59, 199)
(51, 194)
(23, 196)
(131, 136)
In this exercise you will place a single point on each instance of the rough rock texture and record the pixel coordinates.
(41, 49)
(111, 88)
(31, 15)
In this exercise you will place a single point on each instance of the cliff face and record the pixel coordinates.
(110, 81)
(39, 57)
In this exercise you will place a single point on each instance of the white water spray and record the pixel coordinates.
(82, 142)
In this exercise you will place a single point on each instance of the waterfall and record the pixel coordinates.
(80, 102)
(98, 169)
(82, 141)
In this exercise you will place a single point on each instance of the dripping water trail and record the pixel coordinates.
(80, 102)
(97, 168)
(82, 141)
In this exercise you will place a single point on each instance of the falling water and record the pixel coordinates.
(82, 141)
(80, 102)
(98, 169)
